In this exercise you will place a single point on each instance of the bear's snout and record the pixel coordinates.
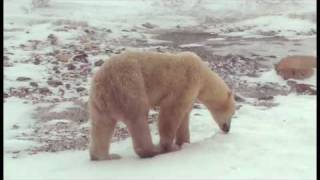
(225, 127)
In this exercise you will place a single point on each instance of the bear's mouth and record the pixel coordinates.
(225, 127)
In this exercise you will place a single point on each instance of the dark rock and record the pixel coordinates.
(68, 86)
(196, 106)
(44, 90)
(15, 126)
(36, 61)
(239, 98)
(56, 69)
(265, 98)
(53, 39)
(23, 78)
(99, 63)
(5, 95)
(271, 56)
(71, 66)
(81, 58)
(33, 84)
(108, 50)
(148, 25)
(80, 89)
(305, 89)
(88, 31)
(54, 83)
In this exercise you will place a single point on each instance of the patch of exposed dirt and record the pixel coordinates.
(184, 37)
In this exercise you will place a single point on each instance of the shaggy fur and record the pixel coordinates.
(129, 84)
(296, 67)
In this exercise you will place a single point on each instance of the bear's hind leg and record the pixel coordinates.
(183, 133)
(101, 132)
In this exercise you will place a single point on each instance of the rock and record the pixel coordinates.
(79, 89)
(15, 126)
(296, 67)
(53, 39)
(88, 31)
(239, 98)
(71, 66)
(265, 98)
(108, 30)
(68, 86)
(22, 78)
(108, 50)
(85, 69)
(271, 56)
(44, 90)
(5, 58)
(56, 69)
(63, 57)
(33, 84)
(304, 89)
(54, 83)
(148, 25)
(5, 95)
(99, 63)
(81, 58)
(36, 61)
(196, 106)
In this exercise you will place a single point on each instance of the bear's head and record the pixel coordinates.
(223, 114)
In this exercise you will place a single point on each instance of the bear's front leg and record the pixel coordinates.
(170, 118)
(141, 136)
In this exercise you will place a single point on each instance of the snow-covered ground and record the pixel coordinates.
(46, 80)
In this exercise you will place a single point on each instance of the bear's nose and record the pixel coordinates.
(225, 127)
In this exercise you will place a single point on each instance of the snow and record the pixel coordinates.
(190, 45)
(63, 106)
(260, 145)
(17, 114)
(286, 25)
(264, 143)
(271, 76)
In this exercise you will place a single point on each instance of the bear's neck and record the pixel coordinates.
(214, 91)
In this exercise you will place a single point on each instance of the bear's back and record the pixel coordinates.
(162, 73)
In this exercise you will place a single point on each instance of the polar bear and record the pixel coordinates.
(129, 84)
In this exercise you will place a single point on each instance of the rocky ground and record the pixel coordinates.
(70, 64)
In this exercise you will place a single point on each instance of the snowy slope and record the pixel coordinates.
(277, 142)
